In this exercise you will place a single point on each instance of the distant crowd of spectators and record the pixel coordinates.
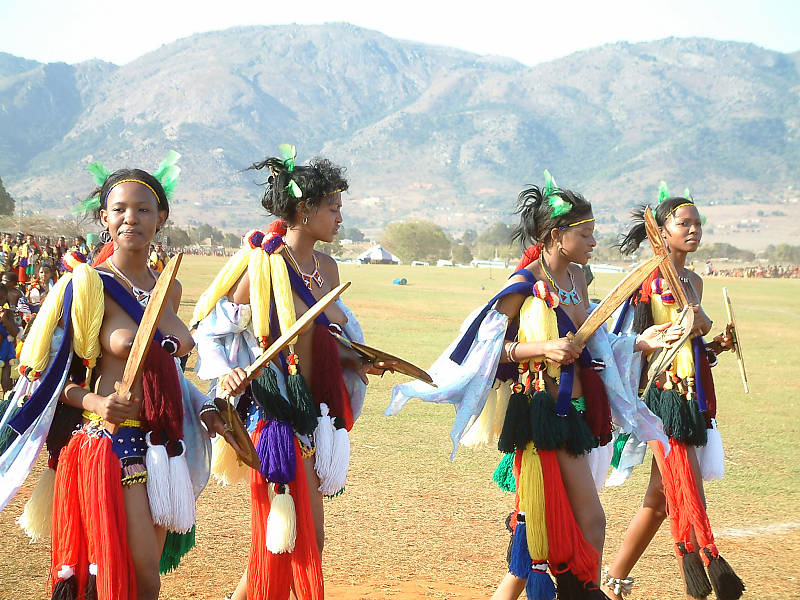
(769, 271)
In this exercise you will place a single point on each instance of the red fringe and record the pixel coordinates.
(270, 576)
(564, 537)
(277, 226)
(327, 382)
(106, 251)
(646, 288)
(162, 406)
(89, 522)
(598, 410)
(531, 254)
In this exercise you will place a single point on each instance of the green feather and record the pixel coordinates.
(687, 193)
(294, 189)
(703, 220)
(549, 184)
(559, 205)
(168, 172)
(86, 207)
(663, 191)
(99, 172)
(288, 153)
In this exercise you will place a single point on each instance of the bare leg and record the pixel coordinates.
(241, 590)
(315, 496)
(510, 588)
(582, 494)
(146, 541)
(644, 526)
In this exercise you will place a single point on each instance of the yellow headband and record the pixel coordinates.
(577, 223)
(677, 207)
(148, 186)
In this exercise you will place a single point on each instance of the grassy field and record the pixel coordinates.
(412, 524)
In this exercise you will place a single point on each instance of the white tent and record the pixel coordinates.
(378, 255)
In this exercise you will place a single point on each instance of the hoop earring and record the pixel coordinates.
(305, 220)
(105, 236)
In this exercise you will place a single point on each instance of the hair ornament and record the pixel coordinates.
(288, 154)
(557, 203)
(663, 191)
(168, 173)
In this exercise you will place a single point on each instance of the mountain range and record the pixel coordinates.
(424, 131)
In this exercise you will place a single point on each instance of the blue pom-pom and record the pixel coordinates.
(540, 586)
(520, 565)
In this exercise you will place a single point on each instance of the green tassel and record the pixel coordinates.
(619, 446)
(580, 439)
(549, 430)
(504, 474)
(305, 415)
(176, 546)
(268, 396)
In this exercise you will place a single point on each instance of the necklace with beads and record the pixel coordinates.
(142, 296)
(565, 296)
(316, 276)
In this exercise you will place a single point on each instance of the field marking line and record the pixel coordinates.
(774, 529)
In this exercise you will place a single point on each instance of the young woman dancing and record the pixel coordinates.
(515, 373)
(684, 399)
(113, 497)
(309, 397)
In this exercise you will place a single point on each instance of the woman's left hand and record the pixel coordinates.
(658, 336)
(215, 425)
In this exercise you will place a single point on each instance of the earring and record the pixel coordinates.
(105, 236)
(305, 220)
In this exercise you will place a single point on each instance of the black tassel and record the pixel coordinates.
(580, 439)
(726, 583)
(697, 583)
(65, 589)
(516, 427)
(91, 588)
(304, 415)
(268, 396)
(548, 430)
(698, 430)
(569, 587)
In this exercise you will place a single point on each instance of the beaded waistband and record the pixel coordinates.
(94, 417)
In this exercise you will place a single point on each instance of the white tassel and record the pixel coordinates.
(340, 463)
(38, 513)
(225, 464)
(157, 462)
(181, 493)
(712, 456)
(599, 462)
(323, 439)
(281, 521)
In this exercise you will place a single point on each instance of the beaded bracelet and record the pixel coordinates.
(207, 408)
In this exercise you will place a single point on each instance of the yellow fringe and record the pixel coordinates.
(258, 271)
(223, 282)
(35, 353)
(683, 365)
(489, 423)
(37, 516)
(225, 464)
(88, 307)
(537, 323)
(530, 488)
(282, 288)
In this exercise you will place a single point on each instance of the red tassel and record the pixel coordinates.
(564, 537)
(103, 511)
(68, 539)
(162, 406)
(646, 288)
(327, 382)
(598, 410)
(270, 576)
(106, 251)
(531, 254)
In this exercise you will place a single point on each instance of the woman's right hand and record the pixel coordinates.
(561, 351)
(114, 408)
(236, 382)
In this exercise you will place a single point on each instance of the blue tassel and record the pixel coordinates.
(540, 586)
(520, 564)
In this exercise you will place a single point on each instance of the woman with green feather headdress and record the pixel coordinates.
(122, 503)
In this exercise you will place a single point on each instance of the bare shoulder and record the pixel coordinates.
(328, 268)
(578, 275)
(240, 291)
(696, 282)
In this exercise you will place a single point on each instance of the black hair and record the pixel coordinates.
(535, 214)
(122, 174)
(629, 242)
(319, 178)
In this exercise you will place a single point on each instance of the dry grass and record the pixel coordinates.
(414, 525)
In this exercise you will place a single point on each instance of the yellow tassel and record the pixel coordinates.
(531, 501)
(503, 394)
(225, 464)
(683, 365)
(282, 288)
(537, 323)
(479, 434)
(258, 271)
(222, 283)
(87, 312)
(38, 513)
(35, 353)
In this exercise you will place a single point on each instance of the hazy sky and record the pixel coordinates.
(530, 31)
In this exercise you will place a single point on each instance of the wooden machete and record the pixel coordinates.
(737, 342)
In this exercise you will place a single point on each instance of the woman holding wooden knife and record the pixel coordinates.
(516, 372)
(299, 409)
(128, 464)
(684, 399)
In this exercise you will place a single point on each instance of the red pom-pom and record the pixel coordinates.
(278, 226)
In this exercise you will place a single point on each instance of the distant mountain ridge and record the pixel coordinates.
(425, 131)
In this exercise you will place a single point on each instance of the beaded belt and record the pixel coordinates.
(94, 417)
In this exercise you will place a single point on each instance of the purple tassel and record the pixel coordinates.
(280, 465)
